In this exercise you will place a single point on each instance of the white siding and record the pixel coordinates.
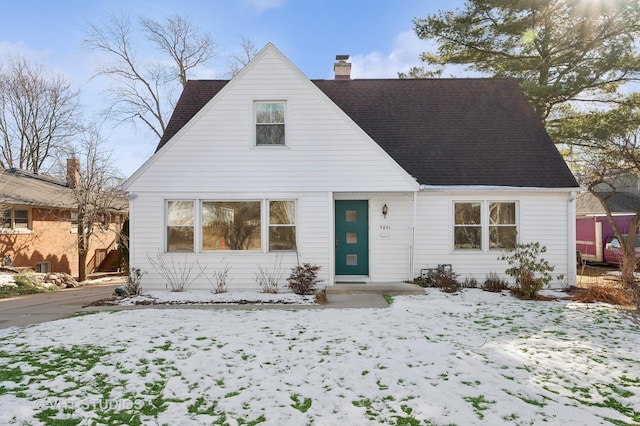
(313, 219)
(390, 238)
(542, 216)
(325, 150)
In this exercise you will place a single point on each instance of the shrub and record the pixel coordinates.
(422, 282)
(441, 277)
(531, 273)
(303, 279)
(268, 279)
(470, 282)
(221, 276)
(494, 283)
(446, 280)
(26, 281)
(133, 285)
(178, 276)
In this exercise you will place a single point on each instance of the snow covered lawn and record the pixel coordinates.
(471, 358)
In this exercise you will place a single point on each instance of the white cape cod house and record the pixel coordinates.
(373, 180)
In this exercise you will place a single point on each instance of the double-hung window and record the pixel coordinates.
(15, 219)
(467, 232)
(270, 123)
(180, 223)
(482, 225)
(282, 225)
(502, 225)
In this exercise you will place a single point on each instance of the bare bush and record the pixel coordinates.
(219, 279)
(268, 278)
(178, 276)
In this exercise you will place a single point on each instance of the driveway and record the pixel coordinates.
(22, 311)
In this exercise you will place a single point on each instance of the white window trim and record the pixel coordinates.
(254, 124)
(200, 238)
(166, 226)
(269, 225)
(484, 222)
(198, 235)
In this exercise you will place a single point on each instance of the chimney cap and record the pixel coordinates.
(342, 57)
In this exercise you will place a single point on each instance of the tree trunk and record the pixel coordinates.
(83, 247)
(630, 262)
(82, 266)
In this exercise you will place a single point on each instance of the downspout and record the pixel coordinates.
(132, 251)
(332, 240)
(412, 247)
(572, 268)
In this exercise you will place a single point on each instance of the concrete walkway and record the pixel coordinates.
(23, 311)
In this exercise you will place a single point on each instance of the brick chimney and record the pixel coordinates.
(73, 172)
(342, 68)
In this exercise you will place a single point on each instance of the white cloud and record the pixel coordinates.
(407, 48)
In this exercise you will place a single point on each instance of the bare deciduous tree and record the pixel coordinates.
(38, 116)
(145, 90)
(181, 40)
(239, 60)
(95, 194)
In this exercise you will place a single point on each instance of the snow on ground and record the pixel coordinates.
(7, 280)
(207, 297)
(469, 358)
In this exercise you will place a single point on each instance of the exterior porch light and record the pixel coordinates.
(385, 210)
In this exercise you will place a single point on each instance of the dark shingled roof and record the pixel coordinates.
(20, 187)
(441, 131)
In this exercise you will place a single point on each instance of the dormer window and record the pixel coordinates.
(270, 122)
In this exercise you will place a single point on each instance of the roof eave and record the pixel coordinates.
(460, 188)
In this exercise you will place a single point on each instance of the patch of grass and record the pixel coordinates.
(49, 417)
(381, 386)
(615, 405)
(25, 286)
(479, 404)
(388, 298)
(300, 405)
(201, 407)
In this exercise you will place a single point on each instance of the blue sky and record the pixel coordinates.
(376, 33)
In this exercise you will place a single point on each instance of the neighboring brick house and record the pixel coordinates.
(39, 228)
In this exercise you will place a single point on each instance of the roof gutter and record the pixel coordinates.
(461, 188)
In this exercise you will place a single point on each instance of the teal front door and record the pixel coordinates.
(352, 237)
